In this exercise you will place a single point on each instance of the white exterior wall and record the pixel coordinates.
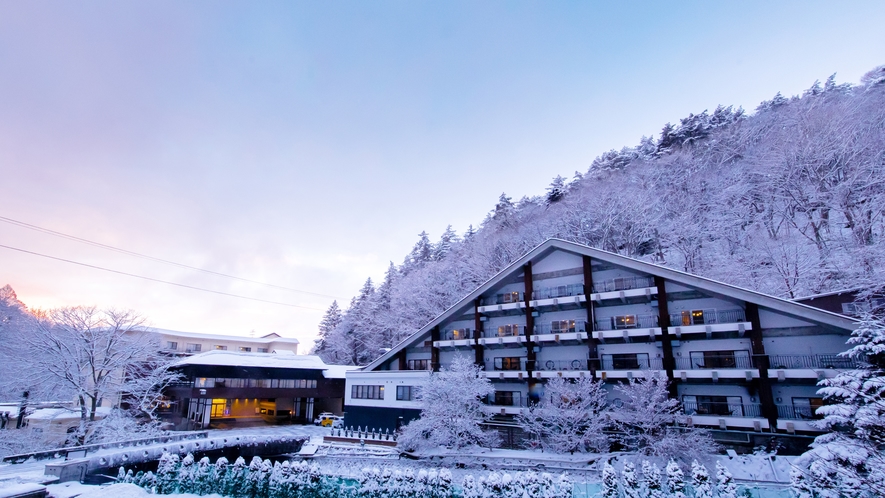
(773, 320)
(389, 381)
(558, 260)
(805, 344)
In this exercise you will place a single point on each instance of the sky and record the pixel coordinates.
(307, 144)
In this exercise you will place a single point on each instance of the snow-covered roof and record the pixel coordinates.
(267, 339)
(237, 359)
(790, 308)
(64, 413)
(825, 294)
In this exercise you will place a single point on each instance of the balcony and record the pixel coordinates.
(558, 291)
(506, 403)
(719, 409)
(797, 412)
(561, 330)
(511, 367)
(706, 317)
(504, 334)
(622, 284)
(818, 361)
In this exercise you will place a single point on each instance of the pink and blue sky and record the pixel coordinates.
(306, 144)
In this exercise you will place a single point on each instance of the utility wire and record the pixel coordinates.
(157, 279)
(152, 258)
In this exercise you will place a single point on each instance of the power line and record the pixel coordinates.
(152, 258)
(157, 279)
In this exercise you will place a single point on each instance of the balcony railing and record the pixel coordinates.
(639, 361)
(452, 335)
(550, 329)
(722, 409)
(706, 317)
(721, 360)
(791, 361)
(793, 412)
(516, 401)
(627, 322)
(563, 365)
(624, 283)
(507, 364)
(511, 331)
(558, 291)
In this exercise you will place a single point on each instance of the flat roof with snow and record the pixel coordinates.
(265, 360)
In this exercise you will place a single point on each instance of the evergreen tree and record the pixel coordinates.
(675, 480)
(854, 412)
(700, 481)
(186, 474)
(654, 482)
(725, 485)
(565, 487)
(446, 242)
(203, 484)
(235, 481)
(121, 475)
(148, 481)
(219, 477)
(632, 487)
(253, 478)
(330, 321)
(167, 474)
(609, 482)
(799, 484)
(556, 191)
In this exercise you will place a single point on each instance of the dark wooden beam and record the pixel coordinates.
(761, 362)
(666, 338)
(529, 326)
(401, 356)
(478, 356)
(434, 351)
(592, 344)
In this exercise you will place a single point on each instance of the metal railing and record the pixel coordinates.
(451, 335)
(788, 361)
(712, 362)
(621, 323)
(793, 412)
(517, 400)
(706, 317)
(722, 409)
(623, 283)
(549, 329)
(639, 361)
(505, 364)
(514, 331)
(563, 365)
(558, 291)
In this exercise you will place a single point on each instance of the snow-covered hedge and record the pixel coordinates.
(264, 479)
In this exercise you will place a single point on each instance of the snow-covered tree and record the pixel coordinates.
(186, 474)
(675, 480)
(568, 417)
(651, 422)
(609, 482)
(219, 476)
(470, 488)
(451, 409)
(167, 474)
(700, 481)
(557, 190)
(854, 450)
(632, 487)
(235, 480)
(654, 481)
(725, 485)
(203, 484)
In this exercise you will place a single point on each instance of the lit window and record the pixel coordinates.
(220, 348)
(245, 349)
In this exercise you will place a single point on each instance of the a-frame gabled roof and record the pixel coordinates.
(784, 306)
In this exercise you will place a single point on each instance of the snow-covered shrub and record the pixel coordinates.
(609, 482)
(675, 480)
(799, 484)
(186, 474)
(167, 474)
(725, 485)
(369, 483)
(470, 488)
(654, 481)
(219, 476)
(564, 486)
(443, 487)
(148, 481)
(121, 475)
(511, 486)
(203, 477)
(700, 481)
(531, 483)
(632, 487)
(235, 480)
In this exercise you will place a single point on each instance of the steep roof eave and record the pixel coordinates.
(797, 310)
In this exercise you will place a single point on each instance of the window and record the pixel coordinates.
(262, 350)
(508, 330)
(806, 408)
(194, 348)
(625, 322)
(287, 383)
(418, 364)
(219, 347)
(561, 326)
(508, 297)
(367, 392)
(729, 406)
(720, 359)
(507, 398)
(245, 349)
(625, 361)
(458, 334)
(508, 363)
(406, 393)
(220, 408)
(694, 317)
(204, 382)
(171, 345)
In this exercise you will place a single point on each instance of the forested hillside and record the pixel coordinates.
(787, 200)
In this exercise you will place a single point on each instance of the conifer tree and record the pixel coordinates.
(654, 482)
(235, 481)
(203, 477)
(149, 482)
(167, 474)
(675, 480)
(700, 481)
(725, 485)
(609, 482)
(219, 477)
(186, 474)
(632, 487)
